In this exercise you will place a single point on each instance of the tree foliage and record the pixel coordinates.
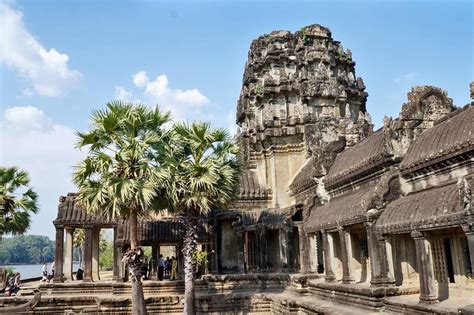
(26, 249)
(17, 201)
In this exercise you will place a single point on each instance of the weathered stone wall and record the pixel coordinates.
(299, 95)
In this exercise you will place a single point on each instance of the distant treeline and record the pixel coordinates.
(26, 249)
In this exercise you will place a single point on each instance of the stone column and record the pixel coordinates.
(88, 254)
(346, 251)
(262, 243)
(313, 249)
(95, 253)
(284, 246)
(59, 252)
(428, 291)
(303, 249)
(380, 255)
(328, 248)
(68, 257)
(290, 251)
(154, 261)
(240, 251)
(117, 258)
(469, 231)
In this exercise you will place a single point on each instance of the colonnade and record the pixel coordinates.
(64, 254)
(381, 258)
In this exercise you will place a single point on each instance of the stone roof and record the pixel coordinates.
(305, 178)
(451, 136)
(250, 187)
(164, 231)
(344, 210)
(426, 209)
(267, 217)
(358, 159)
(71, 213)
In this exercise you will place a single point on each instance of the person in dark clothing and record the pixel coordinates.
(144, 270)
(161, 267)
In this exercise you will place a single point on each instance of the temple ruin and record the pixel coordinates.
(330, 216)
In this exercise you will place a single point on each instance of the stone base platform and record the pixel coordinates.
(238, 294)
(357, 294)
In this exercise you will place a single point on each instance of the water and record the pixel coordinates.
(35, 270)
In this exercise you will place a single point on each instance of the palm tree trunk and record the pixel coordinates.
(138, 299)
(189, 250)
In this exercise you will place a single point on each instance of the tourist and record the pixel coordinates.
(174, 269)
(52, 269)
(45, 272)
(14, 285)
(167, 267)
(144, 269)
(161, 267)
(79, 274)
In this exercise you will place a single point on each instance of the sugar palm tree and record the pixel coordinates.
(18, 201)
(204, 173)
(79, 240)
(119, 177)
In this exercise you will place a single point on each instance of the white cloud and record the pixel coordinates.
(160, 92)
(140, 79)
(47, 70)
(184, 104)
(32, 141)
(122, 94)
(27, 117)
(407, 77)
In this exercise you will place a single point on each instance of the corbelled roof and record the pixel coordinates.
(305, 178)
(344, 210)
(451, 136)
(167, 230)
(250, 187)
(71, 213)
(439, 206)
(267, 217)
(357, 159)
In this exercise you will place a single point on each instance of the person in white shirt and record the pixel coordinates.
(52, 269)
(45, 272)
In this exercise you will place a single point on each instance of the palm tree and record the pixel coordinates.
(119, 177)
(79, 240)
(204, 173)
(17, 201)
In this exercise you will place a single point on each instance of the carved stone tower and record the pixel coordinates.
(299, 97)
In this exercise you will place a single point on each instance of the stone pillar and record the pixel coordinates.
(117, 258)
(290, 251)
(154, 261)
(59, 252)
(303, 247)
(469, 231)
(95, 253)
(428, 291)
(240, 251)
(284, 246)
(346, 251)
(328, 248)
(313, 250)
(262, 243)
(380, 255)
(68, 257)
(88, 254)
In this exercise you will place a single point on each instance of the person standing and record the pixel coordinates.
(161, 267)
(52, 269)
(174, 269)
(45, 272)
(167, 267)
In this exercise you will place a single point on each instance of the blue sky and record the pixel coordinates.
(61, 59)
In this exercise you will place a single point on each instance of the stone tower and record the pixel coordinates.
(300, 100)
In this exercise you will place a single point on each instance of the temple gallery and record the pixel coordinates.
(331, 215)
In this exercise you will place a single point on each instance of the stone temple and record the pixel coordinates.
(331, 216)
